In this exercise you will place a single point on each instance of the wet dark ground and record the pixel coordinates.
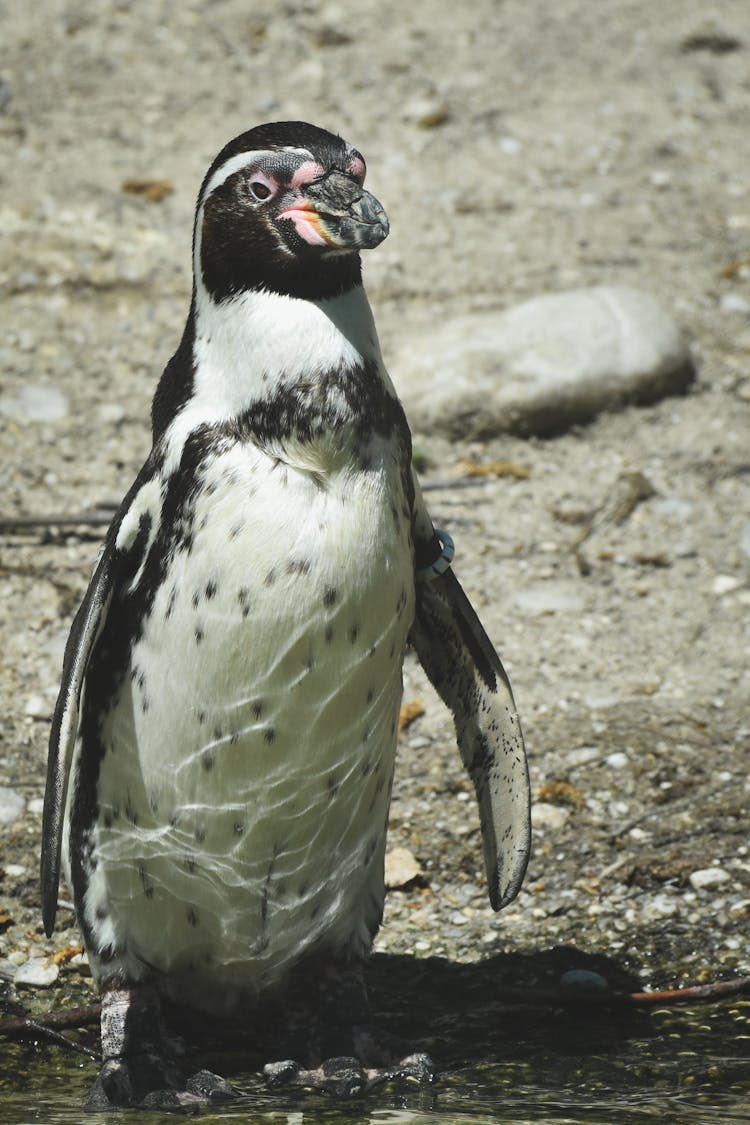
(591, 1062)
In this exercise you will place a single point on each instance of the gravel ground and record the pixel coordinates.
(519, 148)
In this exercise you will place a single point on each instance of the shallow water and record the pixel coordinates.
(515, 1066)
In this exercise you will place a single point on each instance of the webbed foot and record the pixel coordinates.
(139, 1067)
(129, 1082)
(345, 1077)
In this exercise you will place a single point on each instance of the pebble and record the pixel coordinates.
(401, 868)
(546, 817)
(733, 302)
(36, 402)
(544, 365)
(708, 878)
(725, 584)
(584, 980)
(37, 707)
(12, 805)
(36, 973)
(550, 597)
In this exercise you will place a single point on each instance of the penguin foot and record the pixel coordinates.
(345, 1077)
(146, 1082)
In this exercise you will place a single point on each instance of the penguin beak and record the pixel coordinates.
(336, 211)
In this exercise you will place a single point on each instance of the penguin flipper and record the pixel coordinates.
(86, 627)
(464, 668)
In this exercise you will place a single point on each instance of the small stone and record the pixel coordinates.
(584, 980)
(725, 584)
(36, 806)
(401, 868)
(12, 805)
(36, 402)
(617, 761)
(708, 878)
(733, 302)
(550, 597)
(15, 870)
(427, 113)
(37, 707)
(546, 817)
(35, 973)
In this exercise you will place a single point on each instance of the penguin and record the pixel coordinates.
(222, 750)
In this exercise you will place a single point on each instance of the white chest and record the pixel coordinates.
(244, 793)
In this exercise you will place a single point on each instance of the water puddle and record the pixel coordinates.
(687, 1065)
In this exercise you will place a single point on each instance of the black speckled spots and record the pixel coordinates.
(198, 635)
(270, 577)
(257, 709)
(236, 530)
(196, 600)
(218, 733)
(243, 597)
(192, 916)
(208, 762)
(354, 633)
(238, 827)
(202, 717)
(330, 596)
(170, 603)
(332, 786)
(211, 588)
(190, 864)
(298, 566)
(370, 694)
(329, 633)
(269, 735)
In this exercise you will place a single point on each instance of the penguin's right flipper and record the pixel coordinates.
(125, 548)
(87, 626)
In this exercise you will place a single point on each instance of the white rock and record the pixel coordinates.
(617, 761)
(548, 817)
(36, 402)
(733, 302)
(36, 973)
(708, 878)
(12, 805)
(544, 365)
(725, 584)
(401, 868)
(15, 870)
(37, 707)
(550, 597)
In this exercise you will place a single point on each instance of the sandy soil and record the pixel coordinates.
(519, 148)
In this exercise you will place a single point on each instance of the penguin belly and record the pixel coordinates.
(247, 755)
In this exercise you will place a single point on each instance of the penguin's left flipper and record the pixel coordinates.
(463, 666)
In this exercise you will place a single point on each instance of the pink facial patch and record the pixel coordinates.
(307, 172)
(356, 167)
(306, 224)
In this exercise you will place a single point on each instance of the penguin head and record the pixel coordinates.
(283, 208)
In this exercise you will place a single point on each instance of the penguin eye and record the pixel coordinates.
(260, 189)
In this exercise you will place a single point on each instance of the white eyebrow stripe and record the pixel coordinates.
(229, 167)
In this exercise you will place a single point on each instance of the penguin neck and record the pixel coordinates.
(247, 347)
